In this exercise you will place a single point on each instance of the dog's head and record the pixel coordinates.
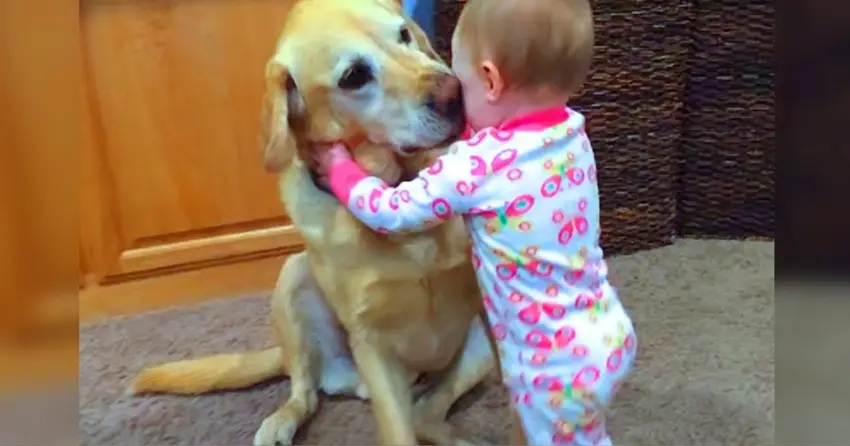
(348, 69)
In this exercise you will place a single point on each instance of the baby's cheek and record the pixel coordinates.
(476, 117)
(470, 111)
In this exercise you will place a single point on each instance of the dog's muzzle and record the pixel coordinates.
(446, 99)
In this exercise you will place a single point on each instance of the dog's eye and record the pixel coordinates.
(356, 76)
(404, 36)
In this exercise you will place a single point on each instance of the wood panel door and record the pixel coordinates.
(39, 137)
(172, 175)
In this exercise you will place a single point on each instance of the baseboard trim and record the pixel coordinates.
(180, 288)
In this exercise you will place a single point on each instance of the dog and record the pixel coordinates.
(358, 313)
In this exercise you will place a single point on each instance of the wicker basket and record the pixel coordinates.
(728, 152)
(632, 102)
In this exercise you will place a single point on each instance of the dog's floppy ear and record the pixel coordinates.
(282, 107)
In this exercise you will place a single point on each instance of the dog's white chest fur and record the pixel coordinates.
(339, 374)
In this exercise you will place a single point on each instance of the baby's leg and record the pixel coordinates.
(569, 422)
(563, 402)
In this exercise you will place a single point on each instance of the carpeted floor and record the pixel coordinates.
(703, 311)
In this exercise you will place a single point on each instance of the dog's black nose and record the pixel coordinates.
(454, 109)
(445, 97)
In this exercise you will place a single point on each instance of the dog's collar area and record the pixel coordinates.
(314, 177)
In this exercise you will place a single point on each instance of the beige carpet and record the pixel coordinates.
(703, 311)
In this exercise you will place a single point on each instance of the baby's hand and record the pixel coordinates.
(328, 156)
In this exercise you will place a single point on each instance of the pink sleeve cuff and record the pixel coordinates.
(466, 134)
(343, 176)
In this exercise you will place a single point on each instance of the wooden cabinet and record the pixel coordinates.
(175, 199)
(130, 165)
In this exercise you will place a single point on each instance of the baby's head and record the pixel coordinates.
(509, 54)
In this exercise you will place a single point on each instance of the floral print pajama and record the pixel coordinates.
(528, 194)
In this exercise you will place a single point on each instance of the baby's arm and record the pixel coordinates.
(433, 197)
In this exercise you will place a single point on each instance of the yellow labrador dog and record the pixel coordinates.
(358, 313)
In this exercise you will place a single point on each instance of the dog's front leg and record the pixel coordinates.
(295, 283)
(517, 436)
(476, 361)
(388, 385)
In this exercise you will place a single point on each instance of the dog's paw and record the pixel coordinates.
(341, 378)
(278, 428)
(362, 392)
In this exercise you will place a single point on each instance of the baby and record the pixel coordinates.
(524, 181)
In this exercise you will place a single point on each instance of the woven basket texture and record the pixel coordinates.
(726, 170)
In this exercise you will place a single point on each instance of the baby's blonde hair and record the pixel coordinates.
(533, 43)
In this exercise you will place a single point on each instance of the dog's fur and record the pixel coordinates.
(396, 306)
